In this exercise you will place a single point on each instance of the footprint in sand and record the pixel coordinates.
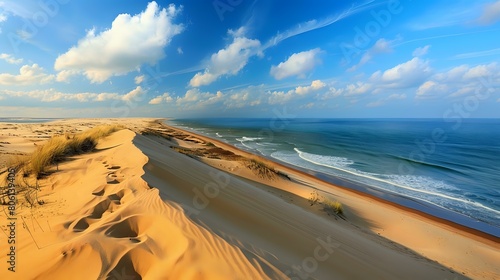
(99, 191)
(111, 179)
(125, 268)
(81, 225)
(132, 227)
(108, 205)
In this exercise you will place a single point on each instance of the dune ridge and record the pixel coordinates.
(121, 228)
(138, 208)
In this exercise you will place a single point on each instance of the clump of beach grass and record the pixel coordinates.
(329, 206)
(333, 207)
(261, 169)
(57, 148)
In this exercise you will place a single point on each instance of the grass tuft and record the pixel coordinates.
(333, 207)
(60, 147)
(261, 169)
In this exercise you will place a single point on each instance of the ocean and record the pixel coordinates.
(449, 165)
(26, 120)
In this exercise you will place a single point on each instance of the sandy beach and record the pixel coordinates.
(157, 202)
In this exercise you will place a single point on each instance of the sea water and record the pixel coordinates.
(26, 120)
(452, 165)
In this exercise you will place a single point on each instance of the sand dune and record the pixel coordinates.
(120, 228)
(137, 209)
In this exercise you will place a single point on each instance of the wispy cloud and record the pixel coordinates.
(421, 51)
(493, 31)
(317, 24)
(24, 9)
(445, 15)
(477, 54)
(10, 59)
(381, 46)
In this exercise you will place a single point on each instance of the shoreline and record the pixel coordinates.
(397, 201)
(153, 201)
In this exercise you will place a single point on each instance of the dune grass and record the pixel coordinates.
(261, 169)
(333, 207)
(60, 147)
(329, 206)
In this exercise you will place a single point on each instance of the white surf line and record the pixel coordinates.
(477, 204)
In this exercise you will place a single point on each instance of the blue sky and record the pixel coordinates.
(241, 58)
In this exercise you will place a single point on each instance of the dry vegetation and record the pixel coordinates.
(333, 207)
(329, 206)
(60, 147)
(261, 169)
(206, 149)
(32, 167)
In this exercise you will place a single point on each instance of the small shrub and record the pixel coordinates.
(333, 207)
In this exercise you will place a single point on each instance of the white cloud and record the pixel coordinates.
(179, 50)
(64, 75)
(332, 93)
(52, 95)
(130, 42)
(3, 17)
(454, 74)
(396, 96)
(194, 98)
(105, 96)
(407, 74)
(466, 73)
(357, 89)
(491, 13)
(249, 96)
(281, 97)
(139, 79)
(381, 46)
(421, 51)
(240, 32)
(298, 64)
(315, 85)
(462, 80)
(28, 75)
(430, 89)
(308, 105)
(479, 71)
(227, 61)
(134, 95)
(166, 97)
(10, 59)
